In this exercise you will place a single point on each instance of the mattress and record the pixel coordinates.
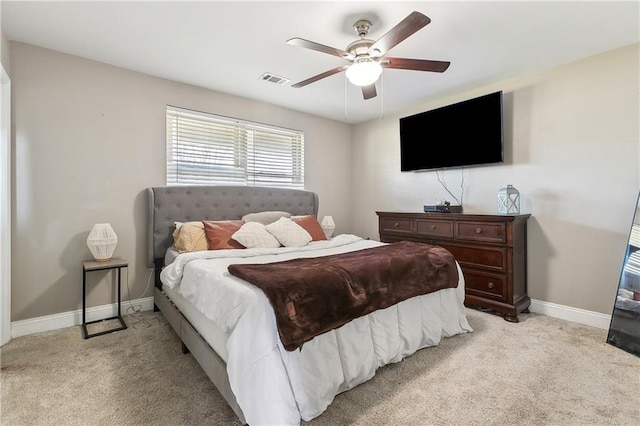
(210, 332)
(170, 256)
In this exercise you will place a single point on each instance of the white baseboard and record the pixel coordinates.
(69, 319)
(581, 316)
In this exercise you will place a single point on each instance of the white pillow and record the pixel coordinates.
(265, 218)
(289, 233)
(254, 235)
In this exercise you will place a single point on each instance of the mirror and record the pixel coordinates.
(624, 331)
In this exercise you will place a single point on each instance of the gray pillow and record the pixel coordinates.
(265, 218)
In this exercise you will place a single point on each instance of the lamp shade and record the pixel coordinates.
(328, 226)
(508, 200)
(364, 73)
(102, 241)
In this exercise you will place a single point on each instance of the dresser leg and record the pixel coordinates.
(511, 318)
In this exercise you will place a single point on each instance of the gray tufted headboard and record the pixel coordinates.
(169, 204)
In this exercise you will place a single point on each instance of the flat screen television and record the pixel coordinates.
(467, 133)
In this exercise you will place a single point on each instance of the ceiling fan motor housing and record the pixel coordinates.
(360, 47)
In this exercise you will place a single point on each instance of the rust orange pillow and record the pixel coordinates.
(219, 234)
(311, 225)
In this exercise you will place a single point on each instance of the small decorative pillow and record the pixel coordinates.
(265, 218)
(189, 236)
(254, 235)
(289, 233)
(219, 234)
(311, 225)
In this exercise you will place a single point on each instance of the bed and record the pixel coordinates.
(235, 338)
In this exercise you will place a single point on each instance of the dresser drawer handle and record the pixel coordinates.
(433, 227)
(396, 225)
(478, 230)
(491, 285)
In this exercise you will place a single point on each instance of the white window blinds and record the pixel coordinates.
(206, 149)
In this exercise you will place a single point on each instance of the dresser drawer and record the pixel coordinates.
(397, 225)
(492, 259)
(483, 284)
(481, 231)
(434, 228)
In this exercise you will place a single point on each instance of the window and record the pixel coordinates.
(207, 149)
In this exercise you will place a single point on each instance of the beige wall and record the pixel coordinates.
(5, 59)
(572, 149)
(88, 140)
(5, 191)
(90, 137)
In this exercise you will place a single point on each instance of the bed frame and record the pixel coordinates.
(191, 203)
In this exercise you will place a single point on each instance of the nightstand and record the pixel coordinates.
(93, 265)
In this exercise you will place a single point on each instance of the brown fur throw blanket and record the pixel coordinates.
(311, 296)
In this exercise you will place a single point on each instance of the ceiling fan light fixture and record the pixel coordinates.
(364, 72)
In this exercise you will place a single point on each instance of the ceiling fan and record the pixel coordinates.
(367, 57)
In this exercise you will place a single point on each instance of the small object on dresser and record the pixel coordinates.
(442, 208)
(102, 241)
(508, 200)
(328, 226)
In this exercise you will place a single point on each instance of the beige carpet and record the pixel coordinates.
(542, 371)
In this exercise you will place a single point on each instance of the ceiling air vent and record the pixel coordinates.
(281, 81)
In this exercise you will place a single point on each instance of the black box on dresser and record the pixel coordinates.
(491, 250)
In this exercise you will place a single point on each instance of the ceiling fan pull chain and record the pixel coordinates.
(346, 115)
(381, 95)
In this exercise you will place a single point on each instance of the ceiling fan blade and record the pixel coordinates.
(415, 64)
(395, 35)
(320, 47)
(369, 91)
(320, 76)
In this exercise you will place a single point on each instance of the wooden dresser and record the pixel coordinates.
(491, 250)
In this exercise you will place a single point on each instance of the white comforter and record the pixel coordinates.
(274, 386)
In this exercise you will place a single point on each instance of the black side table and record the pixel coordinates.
(93, 265)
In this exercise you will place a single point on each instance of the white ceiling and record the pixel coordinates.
(227, 46)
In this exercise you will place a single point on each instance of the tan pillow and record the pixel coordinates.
(311, 225)
(265, 218)
(189, 236)
(219, 234)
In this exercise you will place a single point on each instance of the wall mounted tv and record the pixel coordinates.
(468, 133)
